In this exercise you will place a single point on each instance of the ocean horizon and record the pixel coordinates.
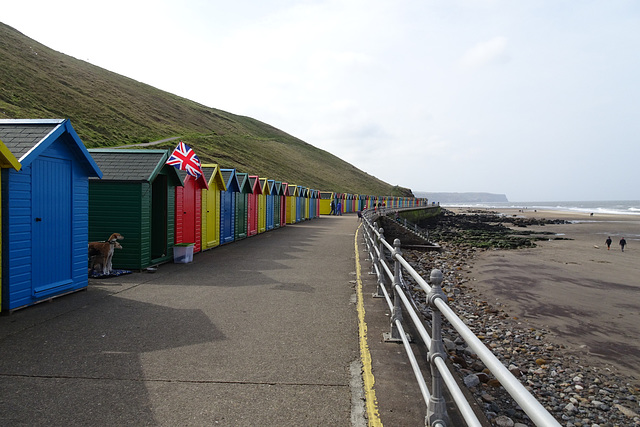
(615, 207)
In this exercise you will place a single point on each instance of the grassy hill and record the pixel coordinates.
(108, 109)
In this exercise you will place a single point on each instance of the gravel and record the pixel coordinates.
(575, 394)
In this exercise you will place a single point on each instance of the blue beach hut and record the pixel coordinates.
(277, 199)
(271, 184)
(7, 160)
(228, 205)
(300, 203)
(45, 207)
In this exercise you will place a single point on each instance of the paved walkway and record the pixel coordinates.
(260, 332)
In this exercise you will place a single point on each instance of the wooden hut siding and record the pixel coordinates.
(130, 217)
(210, 219)
(316, 204)
(242, 202)
(188, 216)
(228, 206)
(252, 211)
(45, 211)
(149, 231)
(307, 204)
(271, 187)
(325, 202)
(292, 204)
(211, 206)
(262, 205)
(277, 198)
(284, 189)
(7, 160)
(300, 204)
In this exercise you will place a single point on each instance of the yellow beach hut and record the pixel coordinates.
(262, 205)
(211, 206)
(292, 203)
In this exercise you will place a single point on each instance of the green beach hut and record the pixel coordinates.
(136, 198)
(242, 205)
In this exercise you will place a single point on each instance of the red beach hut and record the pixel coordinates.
(284, 189)
(188, 217)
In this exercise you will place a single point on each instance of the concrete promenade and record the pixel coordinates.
(259, 332)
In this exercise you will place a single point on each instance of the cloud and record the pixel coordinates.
(490, 52)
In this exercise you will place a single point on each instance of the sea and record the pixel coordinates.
(616, 207)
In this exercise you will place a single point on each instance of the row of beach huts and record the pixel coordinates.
(57, 196)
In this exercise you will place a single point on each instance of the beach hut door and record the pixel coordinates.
(189, 211)
(52, 238)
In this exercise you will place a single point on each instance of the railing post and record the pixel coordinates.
(379, 293)
(437, 406)
(397, 307)
(372, 243)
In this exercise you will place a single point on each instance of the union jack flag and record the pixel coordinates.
(184, 158)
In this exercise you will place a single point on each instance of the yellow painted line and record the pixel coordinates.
(367, 375)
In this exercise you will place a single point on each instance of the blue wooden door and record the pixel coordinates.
(52, 240)
(226, 217)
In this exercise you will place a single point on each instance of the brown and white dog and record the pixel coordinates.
(102, 252)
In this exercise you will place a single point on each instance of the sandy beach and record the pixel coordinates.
(588, 297)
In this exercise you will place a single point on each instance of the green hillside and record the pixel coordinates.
(108, 109)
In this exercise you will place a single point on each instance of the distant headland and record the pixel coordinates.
(462, 197)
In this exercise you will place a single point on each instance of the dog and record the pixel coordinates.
(102, 252)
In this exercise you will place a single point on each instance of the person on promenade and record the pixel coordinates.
(333, 207)
(359, 215)
(608, 242)
(622, 244)
(339, 209)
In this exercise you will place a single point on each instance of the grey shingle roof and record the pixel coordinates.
(208, 172)
(21, 136)
(127, 165)
(226, 174)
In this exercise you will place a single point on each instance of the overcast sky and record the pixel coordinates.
(539, 100)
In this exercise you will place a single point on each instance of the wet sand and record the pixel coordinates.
(588, 297)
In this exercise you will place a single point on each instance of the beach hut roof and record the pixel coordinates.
(264, 186)
(254, 181)
(244, 182)
(27, 139)
(326, 195)
(278, 188)
(133, 165)
(271, 183)
(230, 180)
(201, 181)
(212, 175)
(292, 190)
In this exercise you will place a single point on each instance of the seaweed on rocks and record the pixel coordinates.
(485, 229)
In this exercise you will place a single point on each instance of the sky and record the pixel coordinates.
(535, 99)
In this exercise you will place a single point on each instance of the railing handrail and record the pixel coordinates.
(435, 416)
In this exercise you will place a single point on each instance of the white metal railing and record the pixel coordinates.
(436, 413)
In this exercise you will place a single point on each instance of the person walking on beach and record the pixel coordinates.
(622, 244)
(608, 242)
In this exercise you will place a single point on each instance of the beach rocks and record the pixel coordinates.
(484, 229)
(575, 394)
